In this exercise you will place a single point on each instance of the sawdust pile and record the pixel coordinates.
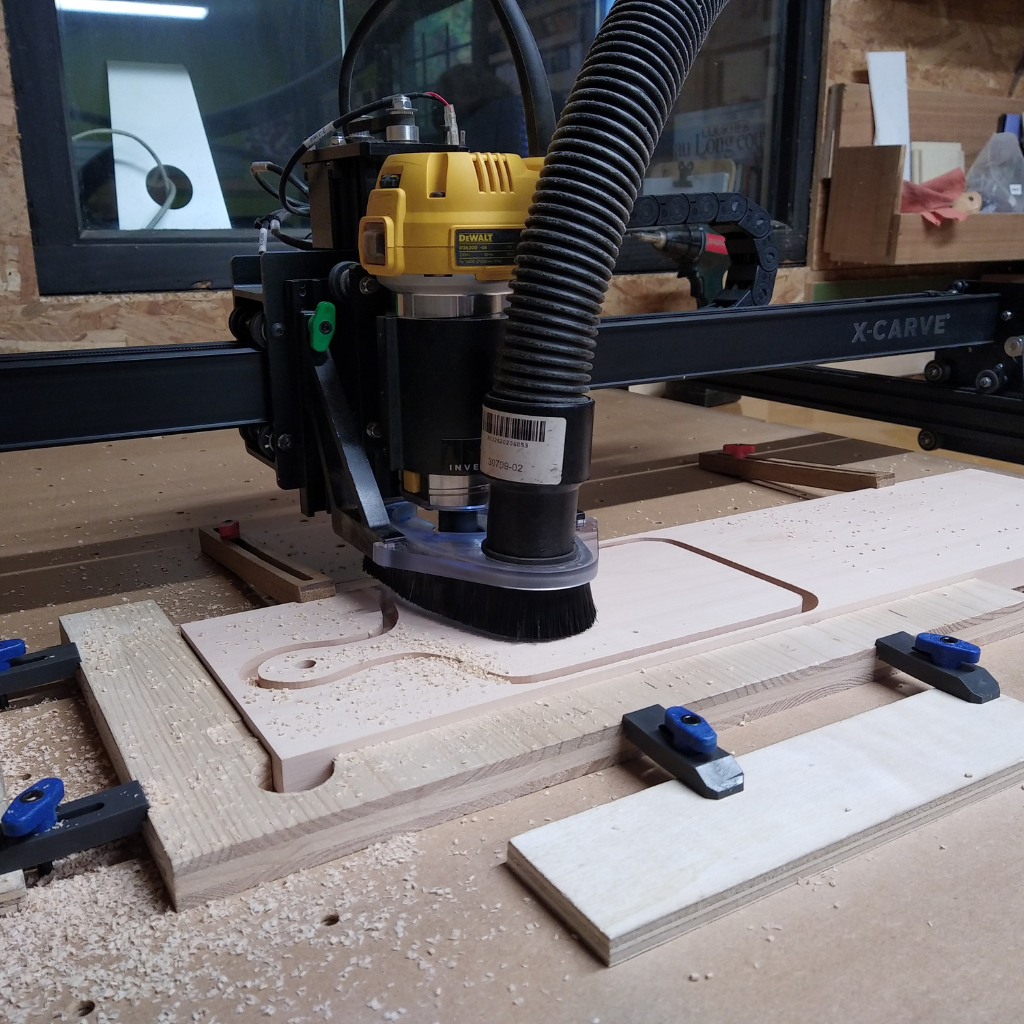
(107, 935)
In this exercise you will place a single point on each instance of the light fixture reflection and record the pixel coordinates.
(186, 11)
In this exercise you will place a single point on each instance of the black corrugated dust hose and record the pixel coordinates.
(602, 145)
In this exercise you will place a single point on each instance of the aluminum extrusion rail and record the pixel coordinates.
(59, 398)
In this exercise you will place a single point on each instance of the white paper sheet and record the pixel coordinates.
(887, 79)
(157, 103)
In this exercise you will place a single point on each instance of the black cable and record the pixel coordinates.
(533, 80)
(258, 167)
(296, 243)
(348, 60)
(270, 224)
(321, 133)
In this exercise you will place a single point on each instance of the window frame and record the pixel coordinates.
(71, 260)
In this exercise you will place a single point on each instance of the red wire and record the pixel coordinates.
(438, 96)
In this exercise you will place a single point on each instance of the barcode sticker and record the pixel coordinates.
(524, 449)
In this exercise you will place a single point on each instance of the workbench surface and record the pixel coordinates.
(430, 927)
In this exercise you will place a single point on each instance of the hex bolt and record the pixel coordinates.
(988, 380)
(1014, 346)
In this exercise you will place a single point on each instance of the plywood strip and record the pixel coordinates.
(631, 874)
(215, 829)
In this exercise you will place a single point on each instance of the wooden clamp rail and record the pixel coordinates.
(785, 471)
(274, 575)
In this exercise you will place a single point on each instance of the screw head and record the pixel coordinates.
(1014, 346)
(1006, 314)
(373, 429)
(368, 285)
(284, 442)
(935, 371)
(277, 329)
(927, 440)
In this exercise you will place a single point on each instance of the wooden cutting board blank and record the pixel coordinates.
(400, 670)
(317, 679)
(631, 874)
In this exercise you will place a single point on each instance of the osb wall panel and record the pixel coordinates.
(961, 45)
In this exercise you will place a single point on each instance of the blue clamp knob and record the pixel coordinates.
(10, 649)
(35, 810)
(689, 732)
(947, 651)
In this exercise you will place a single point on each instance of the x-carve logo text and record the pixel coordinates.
(907, 327)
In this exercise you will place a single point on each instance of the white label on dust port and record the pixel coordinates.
(1016, 189)
(524, 449)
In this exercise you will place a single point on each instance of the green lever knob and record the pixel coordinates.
(321, 326)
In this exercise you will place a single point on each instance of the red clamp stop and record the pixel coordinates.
(739, 451)
(229, 529)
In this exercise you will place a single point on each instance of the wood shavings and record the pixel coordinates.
(107, 934)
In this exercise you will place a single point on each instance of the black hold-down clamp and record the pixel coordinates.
(685, 745)
(945, 662)
(38, 829)
(21, 671)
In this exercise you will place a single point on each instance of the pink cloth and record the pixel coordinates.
(934, 199)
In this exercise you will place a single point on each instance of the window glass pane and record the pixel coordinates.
(209, 86)
(715, 137)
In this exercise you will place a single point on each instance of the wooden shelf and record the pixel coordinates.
(865, 226)
(863, 223)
